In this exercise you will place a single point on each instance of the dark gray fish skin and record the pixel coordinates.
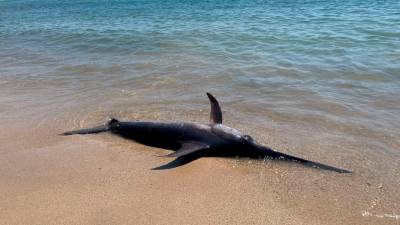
(192, 140)
(168, 135)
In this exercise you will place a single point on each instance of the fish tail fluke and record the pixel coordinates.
(93, 130)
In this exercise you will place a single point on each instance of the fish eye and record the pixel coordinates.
(248, 138)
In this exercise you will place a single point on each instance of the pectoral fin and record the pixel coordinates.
(188, 148)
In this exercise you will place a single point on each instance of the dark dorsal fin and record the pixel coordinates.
(215, 114)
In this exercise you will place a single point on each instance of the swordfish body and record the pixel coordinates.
(188, 139)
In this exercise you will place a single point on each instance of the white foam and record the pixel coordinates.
(385, 215)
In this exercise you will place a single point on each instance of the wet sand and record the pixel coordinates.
(103, 179)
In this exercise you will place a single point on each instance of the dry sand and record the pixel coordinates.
(103, 179)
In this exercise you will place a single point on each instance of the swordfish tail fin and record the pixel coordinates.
(305, 162)
(94, 130)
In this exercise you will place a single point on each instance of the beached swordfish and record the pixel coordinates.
(193, 140)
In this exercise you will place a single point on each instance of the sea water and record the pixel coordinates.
(330, 67)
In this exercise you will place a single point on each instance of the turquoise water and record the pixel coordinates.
(355, 36)
(329, 65)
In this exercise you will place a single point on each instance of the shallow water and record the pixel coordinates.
(318, 79)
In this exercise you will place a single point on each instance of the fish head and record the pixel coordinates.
(247, 139)
(232, 135)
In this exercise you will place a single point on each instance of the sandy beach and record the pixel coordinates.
(103, 179)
